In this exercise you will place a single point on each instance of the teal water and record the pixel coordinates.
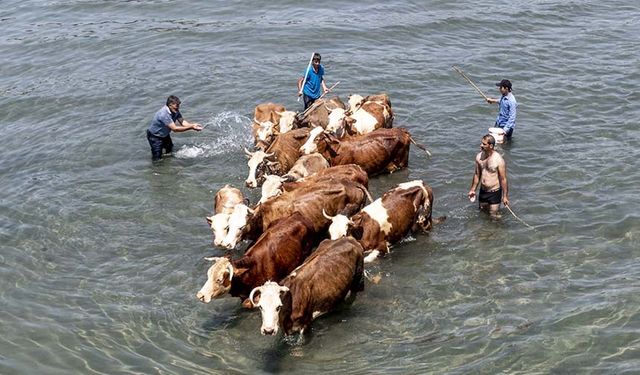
(101, 250)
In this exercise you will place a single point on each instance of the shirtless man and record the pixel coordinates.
(491, 173)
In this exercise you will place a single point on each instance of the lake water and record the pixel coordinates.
(101, 251)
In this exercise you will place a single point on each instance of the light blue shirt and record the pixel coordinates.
(163, 118)
(507, 112)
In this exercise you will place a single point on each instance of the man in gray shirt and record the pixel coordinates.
(167, 119)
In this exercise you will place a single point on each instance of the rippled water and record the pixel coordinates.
(101, 251)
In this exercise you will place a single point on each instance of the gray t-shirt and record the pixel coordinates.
(161, 121)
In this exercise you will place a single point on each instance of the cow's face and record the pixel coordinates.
(268, 298)
(219, 224)
(271, 187)
(287, 119)
(256, 160)
(264, 131)
(339, 226)
(218, 282)
(336, 121)
(309, 147)
(355, 101)
(237, 221)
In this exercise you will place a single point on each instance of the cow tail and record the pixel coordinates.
(419, 146)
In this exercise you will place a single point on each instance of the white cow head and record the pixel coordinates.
(219, 224)
(237, 221)
(287, 118)
(339, 225)
(255, 160)
(271, 187)
(265, 130)
(355, 101)
(270, 303)
(336, 121)
(219, 277)
(310, 146)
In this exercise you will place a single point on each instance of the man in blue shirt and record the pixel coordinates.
(313, 82)
(167, 119)
(506, 119)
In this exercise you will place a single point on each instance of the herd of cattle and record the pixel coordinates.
(313, 168)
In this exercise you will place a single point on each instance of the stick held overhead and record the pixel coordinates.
(306, 72)
(469, 80)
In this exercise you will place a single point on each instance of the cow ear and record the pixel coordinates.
(240, 271)
(356, 232)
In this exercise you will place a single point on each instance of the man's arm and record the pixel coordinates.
(474, 181)
(184, 125)
(300, 85)
(502, 178)
(324, 86)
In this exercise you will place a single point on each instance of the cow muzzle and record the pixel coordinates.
(203, 297)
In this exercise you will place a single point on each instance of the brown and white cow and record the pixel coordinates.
(283, 247)
(318, 113)
(368, 117)
(335, 195)
(404, 209)
(278, 158)
(332, 273)
(265, 117)
(307, 165)
(274, 185)
(383, 150)
(226, 200)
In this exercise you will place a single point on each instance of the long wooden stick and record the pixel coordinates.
(469, 80)
(316, 102)
(520, 220)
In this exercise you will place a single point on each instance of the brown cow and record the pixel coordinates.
(281, 248)
(383, 150)
(337, 195)
(318, 113)
(265, 118)
(370, 116)
(278, 158)
(404, 209)
(333, 272)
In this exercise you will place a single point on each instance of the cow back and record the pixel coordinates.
(324, 279)
(286, 149)
(279, 250)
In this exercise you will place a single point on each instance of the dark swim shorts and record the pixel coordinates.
(490, 197)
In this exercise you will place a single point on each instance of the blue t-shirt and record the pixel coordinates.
(161, 121)
(312, 86)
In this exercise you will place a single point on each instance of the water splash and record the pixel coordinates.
(225, 132)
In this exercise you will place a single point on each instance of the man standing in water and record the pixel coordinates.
(491, 173)
(313, 82)
(167, 119)
(506, 119)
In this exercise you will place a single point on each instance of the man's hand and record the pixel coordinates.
(196, 127)
(492, 100)
(472, 195)
(505, 201)
(299, 93)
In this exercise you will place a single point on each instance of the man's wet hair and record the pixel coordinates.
(316, 56)
(489, 138)
(172, 99)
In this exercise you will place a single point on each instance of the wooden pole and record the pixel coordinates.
(471, 82)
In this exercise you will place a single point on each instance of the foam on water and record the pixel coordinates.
(223, 133)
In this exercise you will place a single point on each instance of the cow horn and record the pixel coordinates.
(212, 259)
(230, 268)
(324, 213)
(284, 289)
(258, 288)
(249, 153)
(269, 154)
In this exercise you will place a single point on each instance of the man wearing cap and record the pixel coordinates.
(166, 120)
(507, 108)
